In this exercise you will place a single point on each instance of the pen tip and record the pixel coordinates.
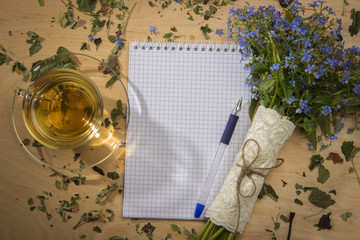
(238, 106)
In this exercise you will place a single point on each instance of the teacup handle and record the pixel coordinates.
(24, 93)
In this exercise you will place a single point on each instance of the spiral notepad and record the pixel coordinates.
(181, 95)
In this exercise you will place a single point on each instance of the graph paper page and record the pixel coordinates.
(180, 96)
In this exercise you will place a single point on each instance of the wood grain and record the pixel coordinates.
(22, 178)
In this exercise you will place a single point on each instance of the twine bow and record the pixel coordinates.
(248, 170)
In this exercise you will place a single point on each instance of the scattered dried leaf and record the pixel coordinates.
(335, 157)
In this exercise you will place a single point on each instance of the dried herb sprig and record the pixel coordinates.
(34, 40)
(68, 206)
(66, 180)
(106, 192)
(4, 57)
(91, 216)
(43, 207)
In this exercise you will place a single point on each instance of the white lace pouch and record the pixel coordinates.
(267, 134)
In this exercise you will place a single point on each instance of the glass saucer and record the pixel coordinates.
(116, 114)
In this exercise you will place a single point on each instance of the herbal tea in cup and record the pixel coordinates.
(70, 111)
(62, 108)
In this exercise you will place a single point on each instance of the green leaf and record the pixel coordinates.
(36, 144)
(86, 5)
(84, 46)
(276, 223)
(267, 189)
(320, 198)
(62, 50)
(175, 228)
(190, 235)
(111, 81)
(205, 31)
(287, 89)
(35, 47)
(41, 3)
(347, 148)
(322, 100)
(267, 86)
(120, 5)
(108, 3)
(30, 202)
(325, 125)
(151, 4)
(58, 184)
(82, 236)
(312, 137)
(333, 191)
(259, 68)
(309, 125)
(345, 216)
(191, 18)
(3, 58)
(316, 161)
(117, 112)
(97, 229)
(18, 65)
(117, 238)
(324, 174)
(115, 51)
(32, 35)
(104, 193)
(113, 175)
(355, 25)
(298, 201)
(173, 29)
(197, 10)
(298, 186)
(354, 152)
(284, 218)
(112, 214)
(167, 35)
(65, 18)
(26, 142)
(253, 105)
(212, 10)
(112, 39)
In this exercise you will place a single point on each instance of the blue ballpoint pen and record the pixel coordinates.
(224, 142)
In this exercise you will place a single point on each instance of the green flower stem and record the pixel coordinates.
(217, 233)
(204, 229)
(356, 172)
(275, 92)
(276, 60)
(127, 18)
(208, 231)
(230, 237)
(214, 232)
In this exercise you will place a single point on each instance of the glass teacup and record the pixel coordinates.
(62, 108)
(65, 114)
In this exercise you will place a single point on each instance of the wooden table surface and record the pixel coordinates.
(22, 178)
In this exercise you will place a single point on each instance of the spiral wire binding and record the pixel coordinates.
(196, 46)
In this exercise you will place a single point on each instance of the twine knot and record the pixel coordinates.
(248, 170)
